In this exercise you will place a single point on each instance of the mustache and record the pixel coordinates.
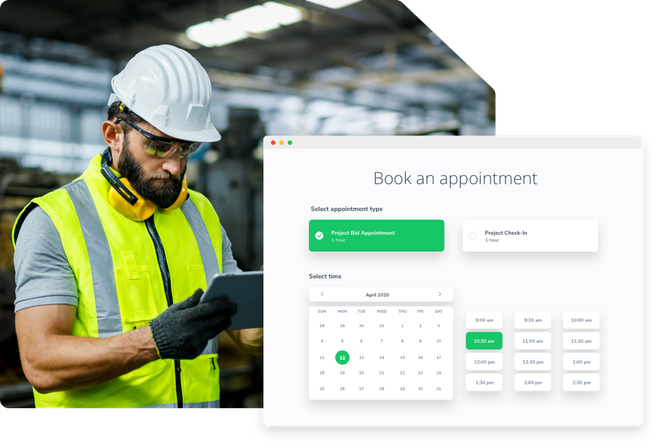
(167, 176)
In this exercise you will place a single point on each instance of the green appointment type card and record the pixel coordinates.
(376, 235)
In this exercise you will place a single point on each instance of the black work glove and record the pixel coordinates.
(183, 330)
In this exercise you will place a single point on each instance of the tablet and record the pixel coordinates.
(243, 289)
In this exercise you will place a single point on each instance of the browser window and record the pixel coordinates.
(453, 281)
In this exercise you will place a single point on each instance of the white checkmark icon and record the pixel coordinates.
(319, 235)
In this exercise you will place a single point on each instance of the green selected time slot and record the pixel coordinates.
(423, 235)
(484, 340)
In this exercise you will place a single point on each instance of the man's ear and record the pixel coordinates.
(113, 135)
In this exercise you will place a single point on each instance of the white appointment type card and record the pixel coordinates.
(453, 281)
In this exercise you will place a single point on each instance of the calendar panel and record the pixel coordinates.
(380, 353)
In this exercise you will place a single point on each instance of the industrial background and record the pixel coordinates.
(293, 67)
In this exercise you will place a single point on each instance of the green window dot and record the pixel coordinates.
(290, 142)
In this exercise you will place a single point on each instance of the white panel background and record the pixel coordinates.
(509, 282)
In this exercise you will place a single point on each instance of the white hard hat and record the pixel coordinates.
(169, 89)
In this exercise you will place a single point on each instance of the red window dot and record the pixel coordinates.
(272, 142)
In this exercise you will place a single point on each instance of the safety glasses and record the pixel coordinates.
(162, 147)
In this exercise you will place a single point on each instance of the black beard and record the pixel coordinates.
(163, 194)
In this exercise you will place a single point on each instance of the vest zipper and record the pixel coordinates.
(165, 274)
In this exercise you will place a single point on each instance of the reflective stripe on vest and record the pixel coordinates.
(104, 283)
(120, 287)
(210, 404)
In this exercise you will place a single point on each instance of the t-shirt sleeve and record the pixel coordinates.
(43, 274)
(229, 263)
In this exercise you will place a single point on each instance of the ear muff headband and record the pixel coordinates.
(126, 192)
(127, 201)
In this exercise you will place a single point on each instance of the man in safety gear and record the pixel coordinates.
(110, 268)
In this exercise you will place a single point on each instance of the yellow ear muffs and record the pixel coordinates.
(143, 208)
(183, 194)
(122, 194)
(140, 211)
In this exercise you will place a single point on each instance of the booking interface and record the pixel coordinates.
(453, 281)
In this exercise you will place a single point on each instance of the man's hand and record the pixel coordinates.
(183, 330)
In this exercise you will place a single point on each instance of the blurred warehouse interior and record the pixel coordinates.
(300, 67)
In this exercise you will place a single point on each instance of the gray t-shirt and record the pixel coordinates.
(43, 275)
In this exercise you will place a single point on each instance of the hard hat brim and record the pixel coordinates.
(210, 135)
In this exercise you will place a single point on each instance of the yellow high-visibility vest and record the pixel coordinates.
(129, 272)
